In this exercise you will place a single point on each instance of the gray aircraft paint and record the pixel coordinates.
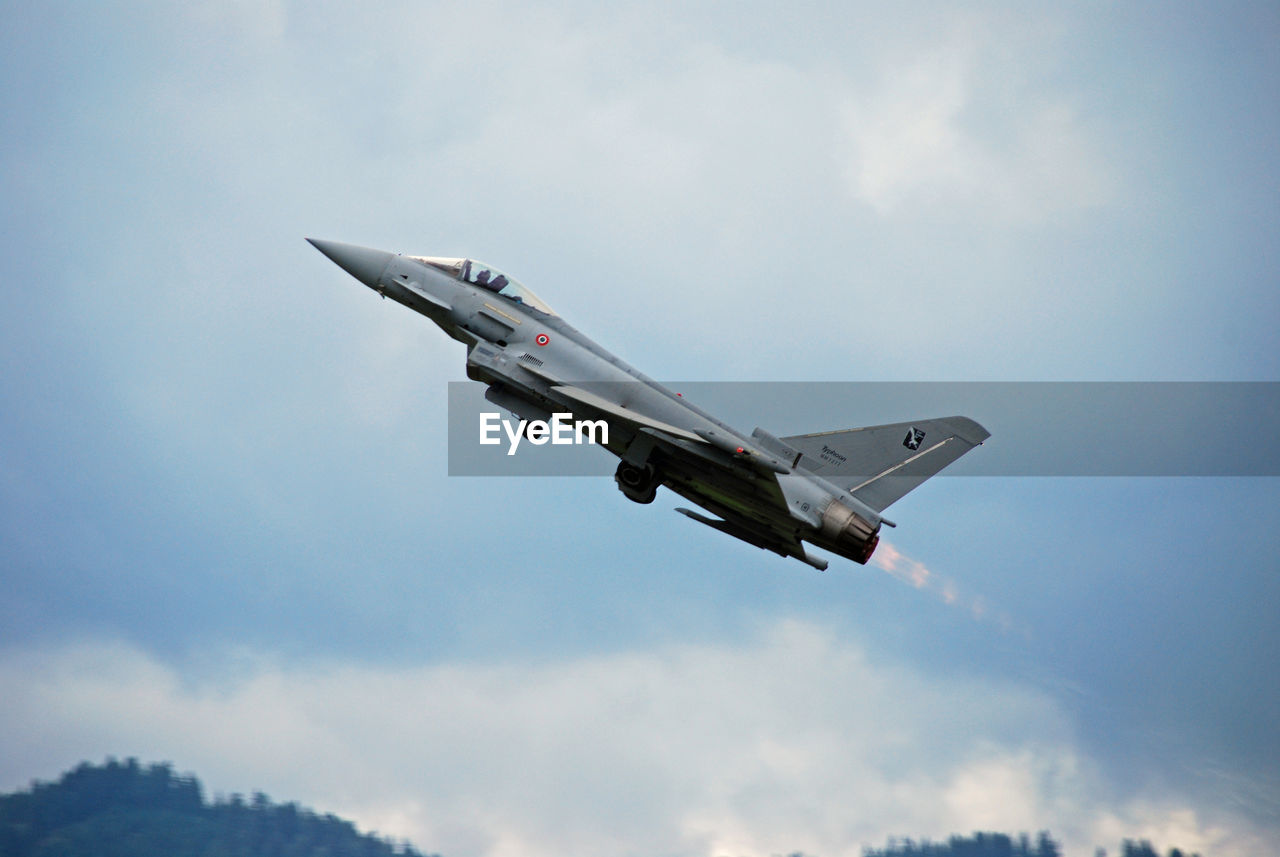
(776, 493)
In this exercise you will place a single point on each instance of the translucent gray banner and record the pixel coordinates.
(1106, 428)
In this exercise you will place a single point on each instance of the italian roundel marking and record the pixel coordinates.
(542, 339)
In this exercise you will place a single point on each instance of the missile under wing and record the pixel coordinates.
(777, 493)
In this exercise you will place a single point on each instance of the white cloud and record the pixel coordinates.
(253, 19)
(932, 133)
(792, 741)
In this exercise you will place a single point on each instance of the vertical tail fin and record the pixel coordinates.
(880, 464)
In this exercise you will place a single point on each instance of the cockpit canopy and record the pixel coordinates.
(486, 276)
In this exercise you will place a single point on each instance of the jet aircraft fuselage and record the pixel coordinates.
(828, 489)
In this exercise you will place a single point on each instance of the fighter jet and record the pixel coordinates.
(828, 489)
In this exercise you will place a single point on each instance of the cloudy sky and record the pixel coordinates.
(227, 536)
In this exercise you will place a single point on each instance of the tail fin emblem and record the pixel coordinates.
(913, 438)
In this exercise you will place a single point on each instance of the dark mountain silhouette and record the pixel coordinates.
(122, 809)
(1000, 845)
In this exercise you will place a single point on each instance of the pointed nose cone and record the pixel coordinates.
(363, 263)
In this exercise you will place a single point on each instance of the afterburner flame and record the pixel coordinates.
(917, 575)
